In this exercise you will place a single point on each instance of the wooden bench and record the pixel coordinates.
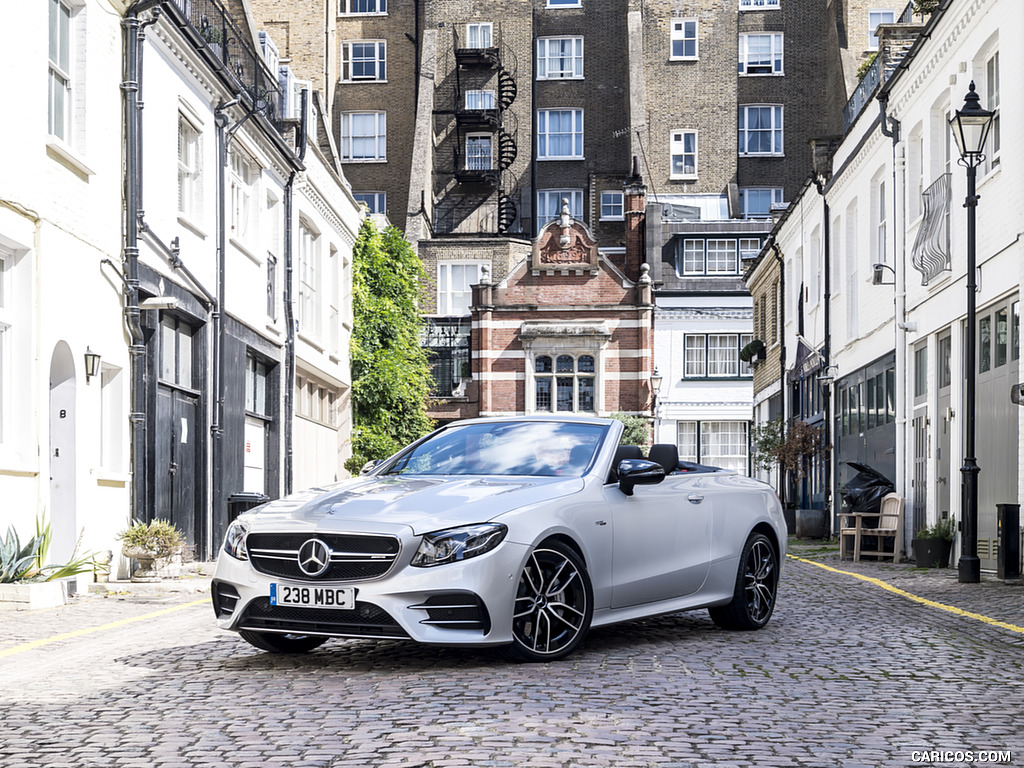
(890, 526)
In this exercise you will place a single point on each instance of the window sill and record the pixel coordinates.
(61, 152)
(762, 74)
(559, 159)
(684, 58)
(368, 160)
(110, 478)
(245, 250)
(310, 341)
(612, 218)
(683, 178)
(360, 15)
(195, 229)
(559, 79)
(362, 81)
(762, 154)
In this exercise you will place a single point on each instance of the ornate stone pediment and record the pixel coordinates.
(565, 245)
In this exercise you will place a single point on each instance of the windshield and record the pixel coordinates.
(545, 448)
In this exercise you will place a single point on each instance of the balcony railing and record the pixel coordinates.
(212, 27)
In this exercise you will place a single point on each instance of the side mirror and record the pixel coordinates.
(638, 472)
(368, 466)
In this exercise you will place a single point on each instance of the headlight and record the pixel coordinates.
(234, 541)
(457, 544)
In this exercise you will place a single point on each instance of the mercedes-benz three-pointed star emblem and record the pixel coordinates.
(314, 557)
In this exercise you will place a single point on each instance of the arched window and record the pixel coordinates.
(567, 386)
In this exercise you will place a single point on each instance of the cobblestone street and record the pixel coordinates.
(848, 673)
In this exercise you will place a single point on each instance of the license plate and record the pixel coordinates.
(342, 598)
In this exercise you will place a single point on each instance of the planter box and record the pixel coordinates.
(33, 597)
(813, 524)
(932, 553)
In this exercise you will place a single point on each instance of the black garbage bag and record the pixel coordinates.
(865, 491)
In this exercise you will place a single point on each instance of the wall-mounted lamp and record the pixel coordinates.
(878, 274)
(92, 364)
(159, 302)
(656, 380)
(829, 374)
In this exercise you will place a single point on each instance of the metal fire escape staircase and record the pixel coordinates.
(478, 177)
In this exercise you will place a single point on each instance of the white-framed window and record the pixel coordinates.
(715, 355)
(760, 129)
(455, 281)
(244, 177)
(190, 170)
(757, 202)
(111, 418)
(60, 94)
(347, 7)
(565, 3)
(6, 334)
(549, 204)
(559, 58)
(363, 136)
(749, 247)
(364, 61)
(480, 99)
(992, 103)
(376, 202)
(612, 205)
(559, 134)
(308, 304)
(879, 251)
(565, 383)
(878, 16)
(479, 151)
(713, 256)
(761, 54)
(720, 443)
(683, 149)
(334, 267)
(683, 40)
(758, 5)
(724, 444)
(480, 35)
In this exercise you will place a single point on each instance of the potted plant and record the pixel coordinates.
(27, 581)
(933, 544)
(157, 546)
(787, 447)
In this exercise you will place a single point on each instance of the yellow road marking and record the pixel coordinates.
(922, 600)
(32, 645)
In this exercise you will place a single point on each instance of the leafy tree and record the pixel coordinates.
(391, 379)
(637, 430)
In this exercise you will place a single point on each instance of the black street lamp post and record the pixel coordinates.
(970, 127)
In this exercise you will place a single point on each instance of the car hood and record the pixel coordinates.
(423, 503)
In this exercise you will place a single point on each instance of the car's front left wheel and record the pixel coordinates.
(275, 643)
(553, 605)
(756, 586)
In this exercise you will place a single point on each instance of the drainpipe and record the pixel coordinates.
(819, 184)
(130, 87)
(782, 348)
(890, 127)
(289, 315)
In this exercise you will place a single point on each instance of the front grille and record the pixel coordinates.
(225, 598)
(455, 610)
(354, 557)
(366, 620)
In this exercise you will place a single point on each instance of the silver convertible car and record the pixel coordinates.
(521, 533)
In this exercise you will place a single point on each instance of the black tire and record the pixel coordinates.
(554, 605)
(757, 582)
(274, 643)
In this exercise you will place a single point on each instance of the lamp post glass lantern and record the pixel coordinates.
(970, 127)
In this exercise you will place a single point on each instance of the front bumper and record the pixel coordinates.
(464, 603)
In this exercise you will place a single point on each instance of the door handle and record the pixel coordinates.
(695, 498)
